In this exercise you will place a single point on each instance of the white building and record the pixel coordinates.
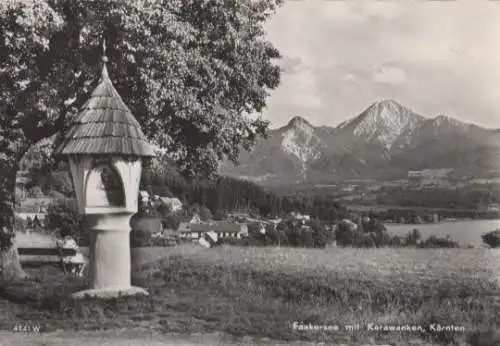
(299, 216)
(218, 230)
(173, 203)
(144, 195)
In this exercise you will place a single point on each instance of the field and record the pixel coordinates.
(261, 292)
(34, 240)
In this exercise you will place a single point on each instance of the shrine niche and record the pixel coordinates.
(104, 187)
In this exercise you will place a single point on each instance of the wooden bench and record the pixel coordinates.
(51, 255)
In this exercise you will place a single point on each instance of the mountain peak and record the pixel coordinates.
(383, 121)
(298, 120)
(387, 102)
(390, 105)
(299, 139)
(444, 121)
(441, 118)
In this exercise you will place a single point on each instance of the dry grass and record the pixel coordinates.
(261, 291)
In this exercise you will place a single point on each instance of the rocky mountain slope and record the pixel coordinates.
(385, 141)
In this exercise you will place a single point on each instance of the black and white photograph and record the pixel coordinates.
(250, 172)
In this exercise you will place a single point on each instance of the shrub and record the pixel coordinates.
(346, 233)
(435, 242)
(19, 223)
(63, 217)
(140, 238)
(492, 238)
(371, 234)
(413, 237)
(373, 225)
(321, 238)
(233, 241)
(397, 241)
(364, 241)
(171, 221)
(382, 239)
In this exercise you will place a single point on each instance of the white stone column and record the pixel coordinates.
(109, 267)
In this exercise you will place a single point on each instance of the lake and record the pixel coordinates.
(464, 232)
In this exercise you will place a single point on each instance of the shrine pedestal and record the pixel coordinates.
(109, 257)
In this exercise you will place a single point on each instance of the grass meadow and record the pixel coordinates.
(260, 292)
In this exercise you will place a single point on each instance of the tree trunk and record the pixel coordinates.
(10, 266)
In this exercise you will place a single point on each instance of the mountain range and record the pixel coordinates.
(384, 142)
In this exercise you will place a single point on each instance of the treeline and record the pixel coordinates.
(374, 234)
(288, 234)
(422, 215)
(461, 198)
(467, 197)
(225, 193)
(363, 234)
(46, 181)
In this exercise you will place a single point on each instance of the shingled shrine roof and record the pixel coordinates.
(105, 125)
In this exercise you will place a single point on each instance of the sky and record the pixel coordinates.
(339, 57)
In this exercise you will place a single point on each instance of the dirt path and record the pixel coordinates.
(129, 338)
(98, 339)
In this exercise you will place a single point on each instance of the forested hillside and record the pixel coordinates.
(226, 193)
(42, 177)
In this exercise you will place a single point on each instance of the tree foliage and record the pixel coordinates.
(62, 216)
(192, 71)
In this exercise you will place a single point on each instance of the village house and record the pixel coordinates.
(195, 231)
(144, 196)
(416, 174)
(145, 201)
(260, 226)
(273, 222)
(30, 214)
(195, 219)
(302, 218)
(22, 181)
(32, 209)
(239, 214)
(348, 188)
(174, 204)
(493, 207)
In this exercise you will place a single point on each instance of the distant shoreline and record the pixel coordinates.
(440, 222)
(360, 207)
